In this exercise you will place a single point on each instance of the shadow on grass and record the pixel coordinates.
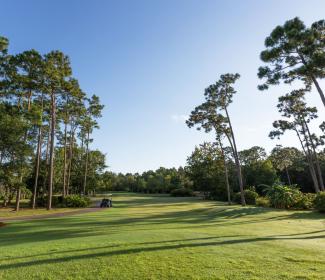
(131, 251)
(104, 224)
(191, 214)
(114, 246)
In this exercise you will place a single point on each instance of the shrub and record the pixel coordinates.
(69, 201)
(306, 201)
(76, 201)
(250, 197)
(320, 202)
(262, 201)
(285, 197)
(181, 192)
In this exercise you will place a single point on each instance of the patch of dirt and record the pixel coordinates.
(2, 224)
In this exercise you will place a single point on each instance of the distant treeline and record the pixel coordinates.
(205, 172)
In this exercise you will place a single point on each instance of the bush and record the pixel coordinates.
(306, 201)
(181, 192)
(262, 201)
(285, 197)
(320, 202)
(76, 201)
(250, 197)
(69, 201)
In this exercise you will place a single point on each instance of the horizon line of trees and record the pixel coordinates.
(204, 172)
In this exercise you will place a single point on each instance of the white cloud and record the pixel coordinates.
(179, 118)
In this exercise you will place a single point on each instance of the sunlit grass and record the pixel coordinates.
(159, 237)
(25, 210)
(10, 213)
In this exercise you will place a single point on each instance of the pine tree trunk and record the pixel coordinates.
(226, 172)
(321, 93)
(18, 194)
(308, 157)
(71, 146)
(239, 172)
(86, 164)
(288, 177)
(47, 156)
(319, 171)
(37, 167)
(20, 177)
(65, 162)
(29, 100)
(313, 78)
(53, 122)
(38, 156)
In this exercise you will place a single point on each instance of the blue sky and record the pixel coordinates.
(150, 60)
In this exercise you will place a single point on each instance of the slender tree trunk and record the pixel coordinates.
(6, 197)
(20, 177)
(321, 93)
(310, 157)
(37, 167)
(18, 191)
(288, 177)
(310, 163)
(38, 156)
(313, 78)
(29, 99)
(226, 171)
(53, 122)
(86, 164)
(239, 172)
(319, 171)
(71, 146)
(65, 162)
(18, 194)
(47, 156)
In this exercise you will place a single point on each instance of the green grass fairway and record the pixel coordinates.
(159, 237)
(10, 213)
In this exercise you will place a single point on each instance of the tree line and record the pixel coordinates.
(204, 172)
(45, 128)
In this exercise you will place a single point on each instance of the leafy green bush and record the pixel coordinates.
(250, 197)
(76, 201)
(181, 192)
(285, 197)
(320, 202)
(262, 201)
(306, 201)
(69, 201)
